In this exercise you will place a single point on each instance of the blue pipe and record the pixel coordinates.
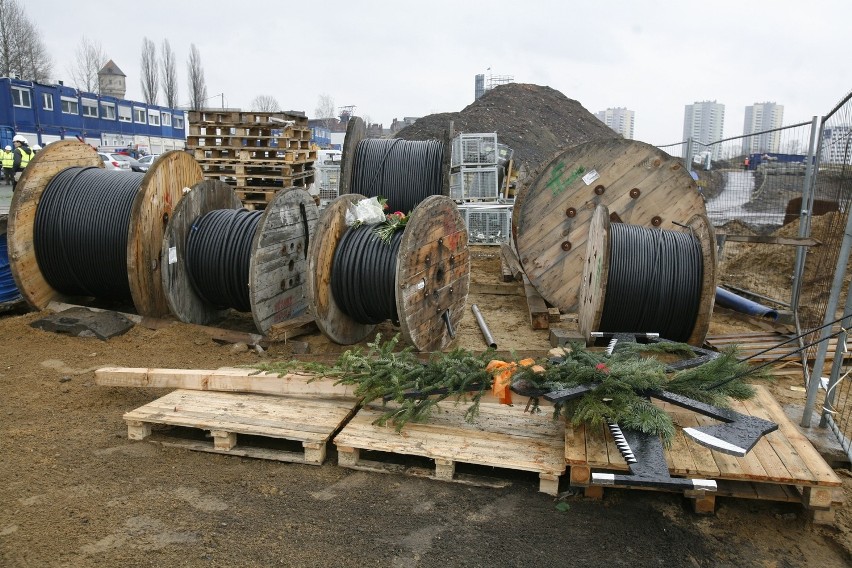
(732, 301)
(8, 289)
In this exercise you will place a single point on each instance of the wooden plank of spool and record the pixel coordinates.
(596, 274)
(640, 184)
(330, 319)
(43, 167)
(183, 301)
(356, 131)
(279, 261)
(701, 227)
(433, 274)
(162, 188)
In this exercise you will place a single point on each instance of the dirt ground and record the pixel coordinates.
(77, 493)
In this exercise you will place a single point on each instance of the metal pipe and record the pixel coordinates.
(450, 330)
(486, 333)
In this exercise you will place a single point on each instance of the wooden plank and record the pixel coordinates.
(537, 308)
(510, 259)
(514, 289)
(596, 451)
(702, 457)
(224, 380)
(292, 328)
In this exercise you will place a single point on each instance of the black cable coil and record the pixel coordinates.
(405, 172)
(363, 275)
(654, 285)
(80, 232)
(218, 256)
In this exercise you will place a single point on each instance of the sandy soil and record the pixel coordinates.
(77, 493)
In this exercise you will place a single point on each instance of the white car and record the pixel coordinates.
(148, 160)
(111, 163)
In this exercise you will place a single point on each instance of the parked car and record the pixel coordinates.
(148, 161)
(133, 164)
(111, 163)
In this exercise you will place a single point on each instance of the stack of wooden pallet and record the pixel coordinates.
(258, 153)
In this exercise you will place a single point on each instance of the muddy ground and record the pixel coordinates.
(77, 493)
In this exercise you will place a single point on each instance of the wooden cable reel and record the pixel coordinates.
(160, 191)
(596, 268)
(639, 183)
(278, 260)
(432, 274)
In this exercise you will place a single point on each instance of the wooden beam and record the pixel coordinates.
(509, 257)
(225, 380)
(539, 316)
(496, 289)
(292, 328)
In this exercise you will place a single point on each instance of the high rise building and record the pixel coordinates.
(704, 122)
(619, 119)
(761, 117)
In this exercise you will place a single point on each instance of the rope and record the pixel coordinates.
(654, 285)
(218, 255)
(363, 275)
(8, 289)
(80, 232)
(405, 172)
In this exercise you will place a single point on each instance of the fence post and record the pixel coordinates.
(837, 365)
(687, 156)
(830, 310)
(805, 220)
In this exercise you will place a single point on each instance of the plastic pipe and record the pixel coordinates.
(732, 301)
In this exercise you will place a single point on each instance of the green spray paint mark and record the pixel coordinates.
(556, 184)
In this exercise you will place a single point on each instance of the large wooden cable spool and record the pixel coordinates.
(640, 184)
(160, 191)
(432, 274)
(596, 268)
(277, 265)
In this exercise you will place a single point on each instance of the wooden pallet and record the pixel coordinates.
(501, 436)
(773, 470)
(750, 344)
(274, 156)
(227, 416)
(233, 168)
(236, 118)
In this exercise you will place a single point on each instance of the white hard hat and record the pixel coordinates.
(19, 138)
(8, 148)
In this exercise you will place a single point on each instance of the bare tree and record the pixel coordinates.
(22, 51)
(265, 103)
(197, 84)
(88, 60)
(169, 69)
(325, 109)
(149, 78)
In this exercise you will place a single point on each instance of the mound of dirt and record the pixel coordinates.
(535, 121)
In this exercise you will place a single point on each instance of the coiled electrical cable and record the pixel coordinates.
(218, 256)
(654, 284)
(8, 289)
(405, 172)
(363, 275)
(81, 229)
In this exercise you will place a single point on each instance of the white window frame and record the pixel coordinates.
(70, 101)
(108, 110)
(166, 118)
(88, 105)
(20, 92)
(178, 122)
(46, 101)
(153, 117)
(125, 117)
(137, 112)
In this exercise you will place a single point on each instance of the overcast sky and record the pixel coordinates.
(396, 59)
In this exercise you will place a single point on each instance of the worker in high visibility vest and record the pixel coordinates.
(23, 155)
(8, 158)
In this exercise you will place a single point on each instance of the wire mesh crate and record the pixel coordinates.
(474, 150)
(487, 224)
(328, 181)
(475, 184)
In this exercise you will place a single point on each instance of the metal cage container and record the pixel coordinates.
(475, 184)
(487, 224)
(328, 182)
(474, 150)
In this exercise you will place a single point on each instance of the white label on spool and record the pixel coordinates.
(591, 176)
(172, 255)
